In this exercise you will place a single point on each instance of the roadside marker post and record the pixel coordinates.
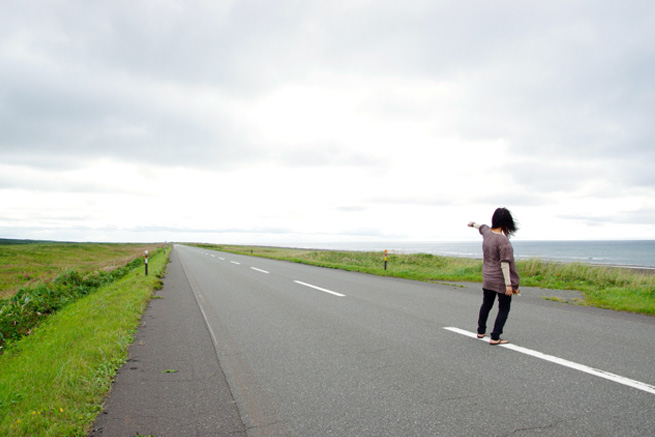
(385, 259)
(146, 263)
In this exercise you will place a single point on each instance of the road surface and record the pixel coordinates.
(307, 351)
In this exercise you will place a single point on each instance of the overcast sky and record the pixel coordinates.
(296, 121)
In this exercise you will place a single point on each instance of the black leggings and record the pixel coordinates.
(504, 302)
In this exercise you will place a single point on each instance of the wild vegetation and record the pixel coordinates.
(605, 287)
(21, 313)
(27, 263)
(54, 379)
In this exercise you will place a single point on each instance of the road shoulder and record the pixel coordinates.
(172, 383)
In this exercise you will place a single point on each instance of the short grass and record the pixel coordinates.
(53, 382)
(23, 265)
(605, 287)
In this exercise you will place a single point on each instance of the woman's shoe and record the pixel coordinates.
(499, 341)
(482, 335)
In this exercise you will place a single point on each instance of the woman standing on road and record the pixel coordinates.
(499, 275)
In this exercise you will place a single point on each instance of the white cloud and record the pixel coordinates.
(323, 121)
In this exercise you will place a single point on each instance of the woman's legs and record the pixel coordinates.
(488, 298)
(504, 303)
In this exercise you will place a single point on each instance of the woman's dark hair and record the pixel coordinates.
(502, 219)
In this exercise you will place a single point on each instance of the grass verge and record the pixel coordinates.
(618, 289)
(21, 313)
(53, 382)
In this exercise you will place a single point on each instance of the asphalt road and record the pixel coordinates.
(306, 351)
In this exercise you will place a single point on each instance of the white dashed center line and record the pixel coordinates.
(320, 289)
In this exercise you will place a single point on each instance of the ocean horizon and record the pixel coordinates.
(624, 253)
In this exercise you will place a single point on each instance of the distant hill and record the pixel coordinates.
(8, 241)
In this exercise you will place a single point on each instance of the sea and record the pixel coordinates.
(629, 253)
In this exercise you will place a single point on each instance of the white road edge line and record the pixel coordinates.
(259, 270)
(319, 288)
(562, 362)
(196, 293)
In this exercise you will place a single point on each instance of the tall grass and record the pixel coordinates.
(615, 288)
(21, 313)
(24, 265)
(605, 287)
(53, 381)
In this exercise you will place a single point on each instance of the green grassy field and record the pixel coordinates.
(53, 381)
(604, 287)
(23, 264)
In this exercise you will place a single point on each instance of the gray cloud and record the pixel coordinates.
(84, 117)
(555, 77)
(639, 216)
(563, 89)
(321, 155)
(52, 182)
